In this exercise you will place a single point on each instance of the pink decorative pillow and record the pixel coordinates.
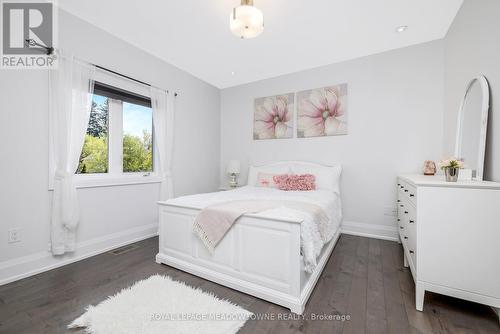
(266, 180)
(290, 182)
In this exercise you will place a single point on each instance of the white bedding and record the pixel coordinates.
(311, 239)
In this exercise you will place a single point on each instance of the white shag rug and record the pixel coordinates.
(160, 305)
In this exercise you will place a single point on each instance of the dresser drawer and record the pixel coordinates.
(401, 231)
(411, 228)
(405, 209)
(413, 257)
(411, 233)
(408, 191)
(402, 208)
(401, 187)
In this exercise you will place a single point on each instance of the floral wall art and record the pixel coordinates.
(322, 112)
(273, 117)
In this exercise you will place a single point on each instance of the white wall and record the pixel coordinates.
(110, 215)
(395, 123)
(472, 48)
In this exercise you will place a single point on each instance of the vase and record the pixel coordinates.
(451, 174)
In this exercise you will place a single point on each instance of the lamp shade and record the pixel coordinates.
(246, 21)
(233, 167)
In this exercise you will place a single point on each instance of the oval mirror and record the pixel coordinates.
(472, 124)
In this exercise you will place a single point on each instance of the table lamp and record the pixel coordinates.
(233, 169)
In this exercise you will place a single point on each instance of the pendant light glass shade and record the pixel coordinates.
(246, 21)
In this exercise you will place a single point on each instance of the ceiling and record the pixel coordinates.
(194, 34)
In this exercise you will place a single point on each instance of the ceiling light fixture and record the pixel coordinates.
(246, 21)
(401, 28)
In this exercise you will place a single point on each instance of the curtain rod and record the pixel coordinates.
(126, 76)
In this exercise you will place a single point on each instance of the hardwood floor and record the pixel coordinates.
(364, 279)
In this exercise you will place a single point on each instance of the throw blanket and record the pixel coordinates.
(213, 222)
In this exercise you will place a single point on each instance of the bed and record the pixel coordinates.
(273, 254)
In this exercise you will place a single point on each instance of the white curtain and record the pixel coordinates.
(163, 104)
(71, 86)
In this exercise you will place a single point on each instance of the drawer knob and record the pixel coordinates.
(411, 221)
(406, 190)
(401, 187)
(401, 227)
(406, 212)
(406, 237)
(399, 184)
(399, 220)
(401, 205)
(412, 195)
(412, 252)
(399, 200)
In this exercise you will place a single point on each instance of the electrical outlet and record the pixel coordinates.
(14, 235)
(390, 211)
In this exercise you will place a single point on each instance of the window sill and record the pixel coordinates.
(99, 180)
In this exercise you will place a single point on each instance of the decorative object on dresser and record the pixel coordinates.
(429, 167)
(322, 112)
(451, 174)
(472, 125)
(273, 117)
(449, 233)
(451, 168)
(233, 170)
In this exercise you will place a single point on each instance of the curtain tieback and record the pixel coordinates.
(67, 198)
(61, 175)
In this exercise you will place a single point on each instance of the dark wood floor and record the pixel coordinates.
(364, 279)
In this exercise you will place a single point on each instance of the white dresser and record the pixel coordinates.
(450, 232)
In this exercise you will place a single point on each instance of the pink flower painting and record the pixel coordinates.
(322, 112)
(273, 117)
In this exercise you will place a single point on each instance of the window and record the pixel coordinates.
(94, 156)
(119, 140)
(137, 138)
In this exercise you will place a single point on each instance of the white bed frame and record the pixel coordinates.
(259, 255)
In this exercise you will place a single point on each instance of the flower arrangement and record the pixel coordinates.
(451, 163)
(451, 168)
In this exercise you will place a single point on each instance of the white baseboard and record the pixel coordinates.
(33, 264)
(384, 232)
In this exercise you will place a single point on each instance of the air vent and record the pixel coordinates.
(124, 249)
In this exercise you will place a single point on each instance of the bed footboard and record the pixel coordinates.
(259, 256)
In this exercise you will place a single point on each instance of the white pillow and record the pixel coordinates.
(327, 177)
(253, 172)
(265, 180)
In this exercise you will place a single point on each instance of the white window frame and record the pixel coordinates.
(115, 175)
